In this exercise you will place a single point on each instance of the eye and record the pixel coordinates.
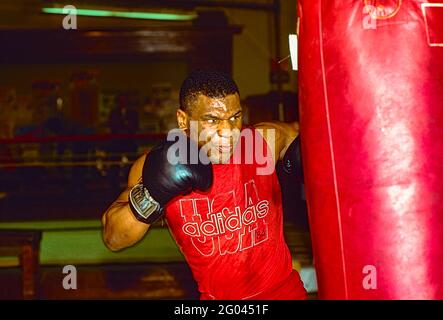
(211, 121)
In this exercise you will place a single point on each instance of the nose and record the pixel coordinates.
(225, 128)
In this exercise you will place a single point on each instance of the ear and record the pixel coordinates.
(182, 120)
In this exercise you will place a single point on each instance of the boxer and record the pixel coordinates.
(223, 212)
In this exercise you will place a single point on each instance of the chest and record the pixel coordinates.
(236, 189)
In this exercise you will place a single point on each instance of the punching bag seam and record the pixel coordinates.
(331, 146)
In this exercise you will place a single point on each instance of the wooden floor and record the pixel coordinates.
(109, 282)
(153, 281)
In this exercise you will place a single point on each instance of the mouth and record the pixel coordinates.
(224, 149)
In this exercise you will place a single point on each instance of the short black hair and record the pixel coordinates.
(211, 83)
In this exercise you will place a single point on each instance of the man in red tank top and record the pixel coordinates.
(223, 207)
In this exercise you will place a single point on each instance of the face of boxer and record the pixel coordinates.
(218, 122)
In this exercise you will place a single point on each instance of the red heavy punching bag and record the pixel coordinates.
(371, 116)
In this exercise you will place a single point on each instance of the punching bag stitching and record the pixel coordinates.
(423, 10)
(331, 146)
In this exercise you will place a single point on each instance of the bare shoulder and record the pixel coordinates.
(282, 129)
(282, 134)
(264, 128)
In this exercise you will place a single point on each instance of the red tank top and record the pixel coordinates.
(232, 234)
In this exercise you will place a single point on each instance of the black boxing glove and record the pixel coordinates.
(292, 163)
(171, 168)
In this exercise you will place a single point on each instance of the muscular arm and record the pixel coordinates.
(279, 136)
(120, 228)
